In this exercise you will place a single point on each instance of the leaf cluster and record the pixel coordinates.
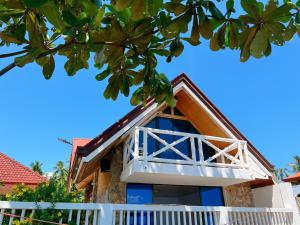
(126, 37)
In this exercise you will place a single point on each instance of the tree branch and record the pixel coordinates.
(12, 54)
(7, 68)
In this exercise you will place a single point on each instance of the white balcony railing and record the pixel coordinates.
(232, 154)
(123, 214)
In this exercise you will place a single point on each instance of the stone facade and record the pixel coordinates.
(110, 189)
(239, 195)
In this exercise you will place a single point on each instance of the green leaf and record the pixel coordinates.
(229, 5)
(89, 7)
(297, 18)
(268, 50)
(259, 43)
(289, 31)
(251, 7)
(153, 6)
(175, 7)
(8, 38)
(70, 18)
(248, 36)
(48, 67)
(52, 13)
(34, 3)
(137, 8)
(176, 48)
(32, 24)
(215, 12)
(205, 28)
(99, 16)
(171, 30)
(271, 6)
(280, 12)
(139, 77)
(103, 74)
(214, 42)
(122, 4)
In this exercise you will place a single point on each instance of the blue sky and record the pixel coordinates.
(261, 98)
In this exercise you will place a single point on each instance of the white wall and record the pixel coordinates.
(275, 196)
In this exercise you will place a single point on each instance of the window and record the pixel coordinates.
(174, 194)
(184, 147)
(211, 196)
(171, 194)
(139, 194)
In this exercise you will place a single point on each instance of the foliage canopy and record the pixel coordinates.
(127, 36)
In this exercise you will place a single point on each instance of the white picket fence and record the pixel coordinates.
(234, 154)
(125, 214)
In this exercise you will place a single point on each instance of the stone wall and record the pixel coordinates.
(110, 189)
(239, 195)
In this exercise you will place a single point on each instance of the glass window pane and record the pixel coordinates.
(175, 194)
(211, 196)
(139, 194)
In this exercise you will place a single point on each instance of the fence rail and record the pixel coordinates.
(126, 214)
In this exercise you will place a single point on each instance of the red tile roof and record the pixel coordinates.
(13, 172)
(294, 177)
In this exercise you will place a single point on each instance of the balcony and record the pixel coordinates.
(125, 214)
(171, 157)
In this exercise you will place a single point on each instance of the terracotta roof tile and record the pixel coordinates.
(13, 172)
(294, 177)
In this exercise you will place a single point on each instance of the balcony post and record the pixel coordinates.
(105, 217)
(241, 154)
(145, 145)
(136, 143)
(246, 152)
(192, 140)
(200, 149)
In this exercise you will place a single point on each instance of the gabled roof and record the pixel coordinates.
(13, 172)
(127, 119)
(293, 178)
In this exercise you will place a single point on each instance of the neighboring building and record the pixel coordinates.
(187, 155)
(13, 173)
(295, 180)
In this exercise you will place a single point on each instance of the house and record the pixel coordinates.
(187, 155)
(186, 165)
(13, 173)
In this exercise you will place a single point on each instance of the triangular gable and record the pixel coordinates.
(182, 87)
